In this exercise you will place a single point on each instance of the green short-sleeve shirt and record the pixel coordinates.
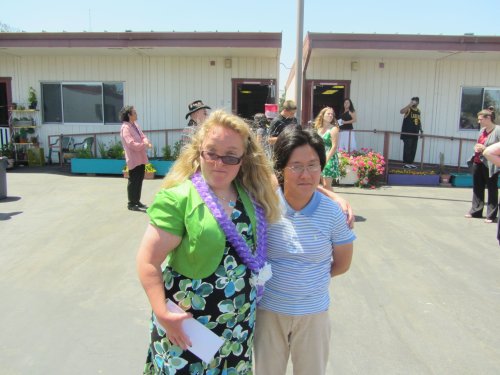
(181, 211)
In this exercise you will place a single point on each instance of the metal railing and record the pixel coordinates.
(168, 136)
(425, 140)
(55, 142)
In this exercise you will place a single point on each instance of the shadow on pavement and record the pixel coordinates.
(9, 199)
(8, 215)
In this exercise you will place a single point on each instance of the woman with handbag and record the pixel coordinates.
(484, 172)
(492, 153)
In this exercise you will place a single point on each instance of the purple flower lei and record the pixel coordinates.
(254, 263)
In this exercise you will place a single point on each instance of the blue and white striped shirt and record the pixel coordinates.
(300, 253)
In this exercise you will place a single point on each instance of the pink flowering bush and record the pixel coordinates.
(367, 163)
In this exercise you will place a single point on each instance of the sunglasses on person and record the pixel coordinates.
(226, 159)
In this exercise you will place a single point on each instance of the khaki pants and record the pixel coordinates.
(306, 338)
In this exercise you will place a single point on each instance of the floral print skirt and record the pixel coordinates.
(225, 303)
(331, 169)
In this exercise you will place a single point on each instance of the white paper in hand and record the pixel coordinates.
(204, 342)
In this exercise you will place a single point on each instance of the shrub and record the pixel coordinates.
(367, 163)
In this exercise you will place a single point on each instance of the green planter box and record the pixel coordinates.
(463, 180)
(97, 166)
(412, 180)
(162, 166)
(113, 166)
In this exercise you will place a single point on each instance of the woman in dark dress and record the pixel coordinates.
(347, 141)
(209, 223)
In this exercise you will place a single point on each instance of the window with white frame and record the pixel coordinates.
(82, 102)
(473, 100)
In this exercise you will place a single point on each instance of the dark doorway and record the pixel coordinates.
(4, 102)
(250, 96)
(328, 96)
(319, 94)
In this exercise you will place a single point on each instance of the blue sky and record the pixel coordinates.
(448, 17)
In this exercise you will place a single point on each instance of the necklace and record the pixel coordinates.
(229, 202)
(261, 270)
(253, 261)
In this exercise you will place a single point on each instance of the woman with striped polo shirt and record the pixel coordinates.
(310, 244)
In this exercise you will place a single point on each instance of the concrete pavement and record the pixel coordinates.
(422, 296)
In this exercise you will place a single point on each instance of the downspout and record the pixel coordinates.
(298, 58)
(308, 49)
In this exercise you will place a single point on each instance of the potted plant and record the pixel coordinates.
(361, 168)
(34, 140)
(443, 174)
(83, 153)
(23, 121)
(32, 99)
(115, 150)
(412, 177)
(149, 173)
(23, 135)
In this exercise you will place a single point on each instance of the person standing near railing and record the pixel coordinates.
(347, 140)
(135, 145)
(492, 153)
(412, 123)
(484, 173)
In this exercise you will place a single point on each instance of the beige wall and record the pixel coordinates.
(379, 94)
(159, 87)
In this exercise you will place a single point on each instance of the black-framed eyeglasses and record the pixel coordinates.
(299, 169)
(226, 159)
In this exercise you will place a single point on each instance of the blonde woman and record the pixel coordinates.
(326, 126)
(208, 227)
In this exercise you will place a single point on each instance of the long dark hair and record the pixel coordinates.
(351, 106)
(291, 138)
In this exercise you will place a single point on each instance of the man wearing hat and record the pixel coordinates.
(198, 113)
(411, 124)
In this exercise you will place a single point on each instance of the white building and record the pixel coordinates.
(83, 79)
(454, 76)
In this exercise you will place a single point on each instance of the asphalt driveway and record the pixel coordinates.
(422, 296)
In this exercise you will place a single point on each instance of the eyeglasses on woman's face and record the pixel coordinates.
(225, 159)
(299, 168)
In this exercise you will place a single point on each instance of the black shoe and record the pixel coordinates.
(142, 205)
(134, 207)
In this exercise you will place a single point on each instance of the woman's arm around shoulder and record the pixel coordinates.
(492, 153)
(344, 205)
